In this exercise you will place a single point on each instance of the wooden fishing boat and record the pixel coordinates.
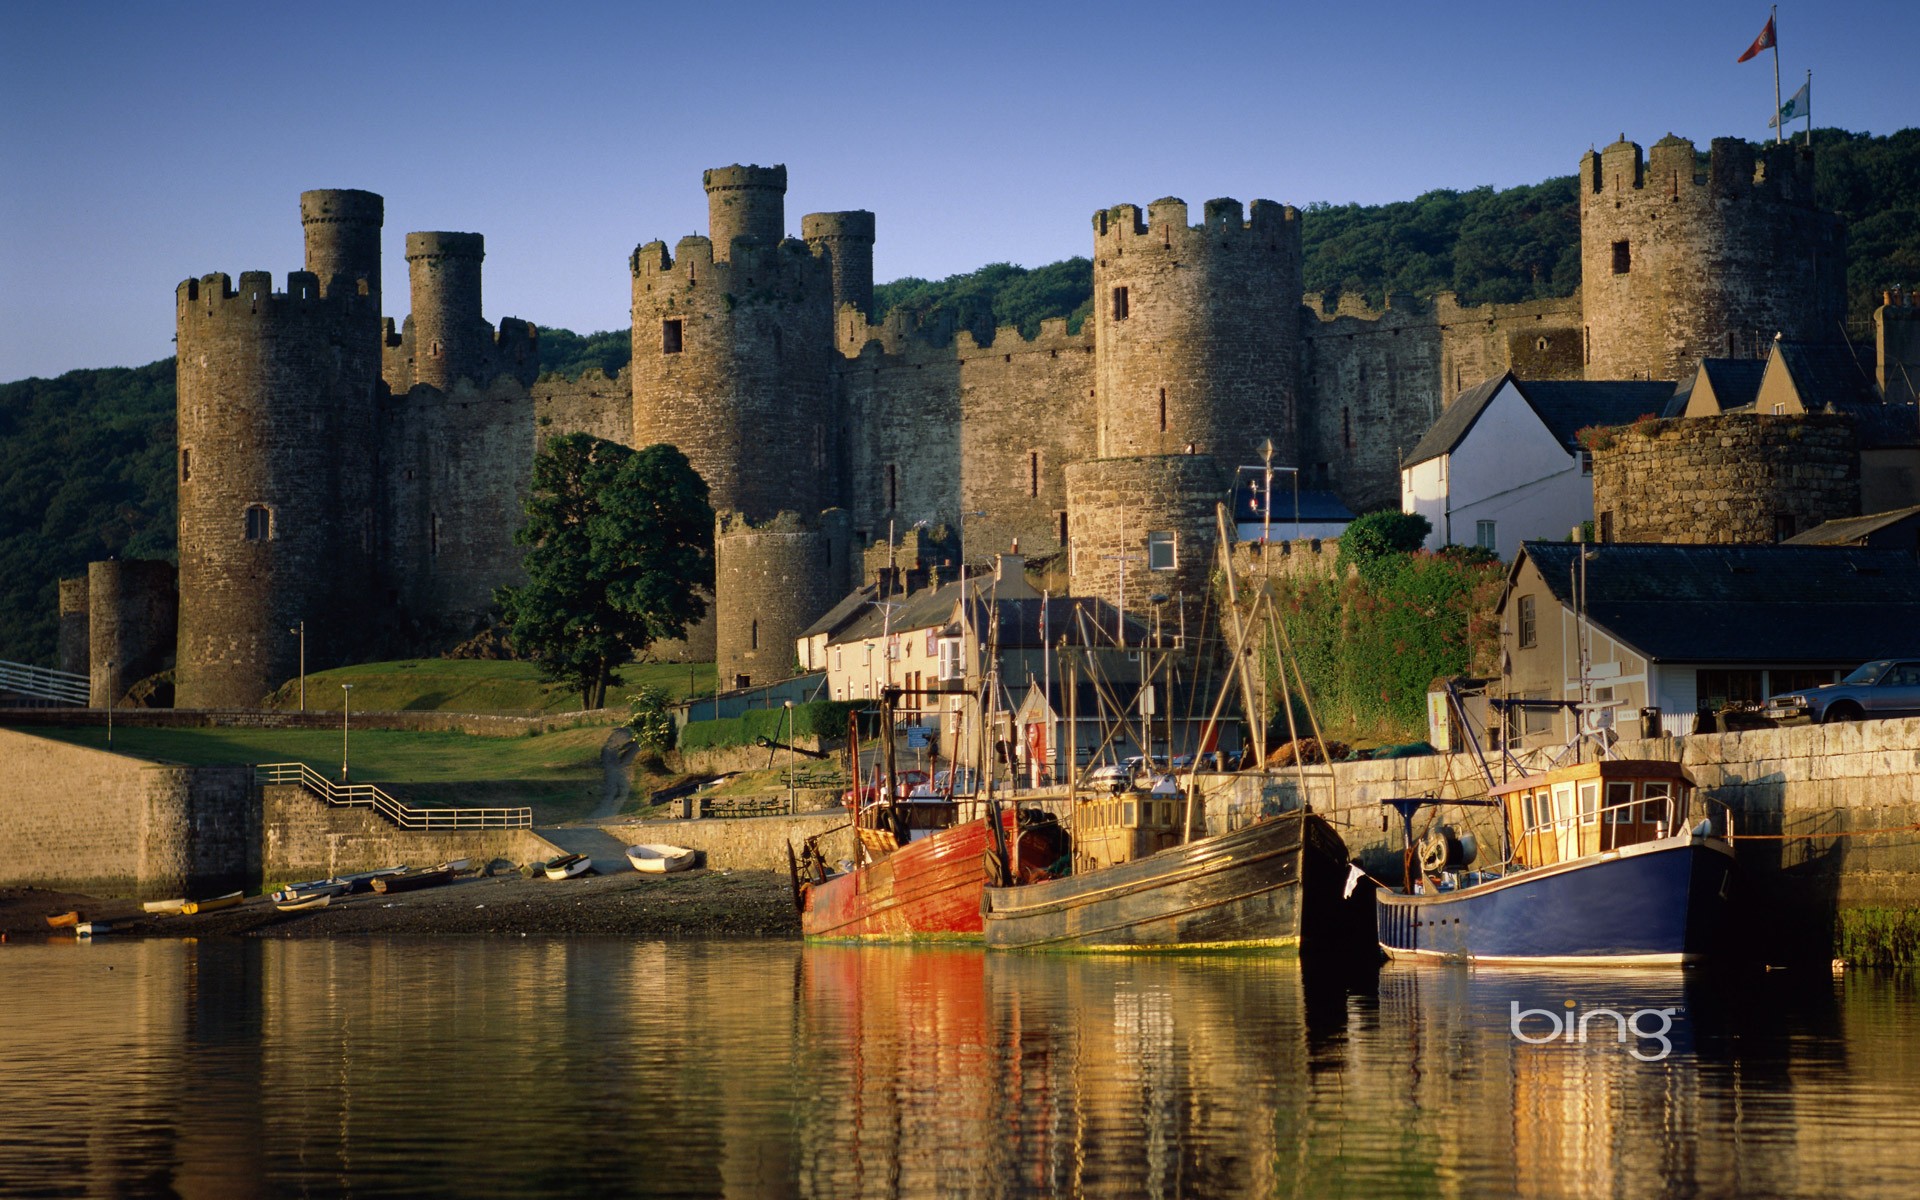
(658, 858)
(65, 920)
(301, 905)
(929, 887)
(1279, 883)
(1613, 862)
(165, 907)
(412, 881)
(567, 866)
(230, 900)
(362, 881)
(87, 929)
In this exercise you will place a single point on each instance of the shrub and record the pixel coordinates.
(1370, 542)
(652, 721)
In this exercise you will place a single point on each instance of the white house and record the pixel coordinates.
(1503, 464)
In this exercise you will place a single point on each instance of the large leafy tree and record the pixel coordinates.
(620, 544)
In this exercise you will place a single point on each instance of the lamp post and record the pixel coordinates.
(300, 630)
(793, 795)
(346, 705)
(112, 690)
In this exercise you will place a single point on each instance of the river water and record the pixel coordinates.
(604, 1067)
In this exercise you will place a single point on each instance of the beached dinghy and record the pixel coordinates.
(658, 858)
(65, 920)
(567, 866)
(412, 881)
(230, 900)
(165, 907)
(293, 893)
(301, 905)
(90, 928)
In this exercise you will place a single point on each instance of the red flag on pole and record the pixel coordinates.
(1763, 42)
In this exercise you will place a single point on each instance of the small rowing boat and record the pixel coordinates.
(567, 866)
(363, 881)
(658, 858)
(230, 900)
(65, 920)
(412, 881)
(319, 901)
(90, 928)
(293, 893)
(165, 907)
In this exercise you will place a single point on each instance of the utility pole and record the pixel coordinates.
(301, 631)
(346, 705)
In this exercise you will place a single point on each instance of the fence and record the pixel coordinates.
(367, 795)
(43, 683)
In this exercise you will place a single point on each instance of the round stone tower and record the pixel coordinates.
(730, 364)
(343, 240)
(749, 202)
(1197, 330)
(276, 407)
(1684, 258)
(132, 613)
(771, 581)
(1152, 515)
(1740, 477)
(450, 338)
(845, 239)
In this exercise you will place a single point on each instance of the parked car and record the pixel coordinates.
(1109, 778)
(1885, 687)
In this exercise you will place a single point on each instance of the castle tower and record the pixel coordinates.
(1896, 339)
(342, 228)
(1197, 330)
(845, 239)
(1152, 517)
(748, 202)
(276, 410)
(132, 616)
(1683, 259)
(771, 581)
(450, 339)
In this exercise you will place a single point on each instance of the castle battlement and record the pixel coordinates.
(1674, 168)
(753, 270)
(445, 245)
(1225, 224)
(216, 297)
(1052, 338)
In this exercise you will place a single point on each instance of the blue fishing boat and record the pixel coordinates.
(1613, 862)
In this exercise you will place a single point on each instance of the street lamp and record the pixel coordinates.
(346, 705)
(112, 691)
(301, 630)
(793, 795)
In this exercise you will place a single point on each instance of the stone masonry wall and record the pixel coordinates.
(1738, 477)
(745, 843)
(590, 404)
(1026, 411)
(133, 611)
(1113, 504)
(73, 625)
(91, 821)
(304, 837)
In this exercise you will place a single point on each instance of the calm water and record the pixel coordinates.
(565, 1068)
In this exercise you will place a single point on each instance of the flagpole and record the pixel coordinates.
(1779, 134)
(1809, 109)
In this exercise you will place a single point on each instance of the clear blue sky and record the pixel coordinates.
(147, 142)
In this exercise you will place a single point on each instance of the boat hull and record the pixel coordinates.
(659, 859)
(928, 888)
(1661, 902)
(1261, 887)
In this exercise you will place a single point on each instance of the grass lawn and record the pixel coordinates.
(478, 686)
(557, 774)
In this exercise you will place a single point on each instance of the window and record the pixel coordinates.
(1622, 258)
(1062, 517)
(1120, 304)
(1163, 410)
(893, 486)
(1033, 473)
(259, 523)
(1483, 535)
(670, 336)
(1656, 794)
(1528, 817)
(1606, 527)
(1161, 552)
(186, 463)
(1782, 526)
(1619, 803)
(753, 635)
(1529, 631)
(1589, 803)
(1586, 462)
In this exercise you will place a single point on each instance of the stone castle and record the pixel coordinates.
(365, 479)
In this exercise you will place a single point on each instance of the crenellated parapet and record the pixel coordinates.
(845, 240)
(1196, 328)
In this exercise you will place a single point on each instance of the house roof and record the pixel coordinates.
(1081, 620)
(862, 617)
(1564, 406)
(1826, 373)
(1779, 603)
(1880, 426)
(1315, 505)
(1735, 381)
(1849, 530)
(840, 614)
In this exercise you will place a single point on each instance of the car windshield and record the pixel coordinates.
(1869, 673)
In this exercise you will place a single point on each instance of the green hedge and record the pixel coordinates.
(824, 718)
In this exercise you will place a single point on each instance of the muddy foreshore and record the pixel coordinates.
(698, 904)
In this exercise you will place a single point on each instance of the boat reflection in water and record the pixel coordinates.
(606, 1067)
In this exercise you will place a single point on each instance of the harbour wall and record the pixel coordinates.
(745, 843)
(304, 837)
(423, 721)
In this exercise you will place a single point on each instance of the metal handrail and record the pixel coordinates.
(44, 683)
(406, 816)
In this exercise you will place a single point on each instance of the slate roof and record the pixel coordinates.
(1848, 530)
(1315, 505)
(1743, 604)
(1081, 620)
(1019, 619)
(1880, 426)
(840, 614)
(1827, 373)
(1564, 406)
(1735, 381)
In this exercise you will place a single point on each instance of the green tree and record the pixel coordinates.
(1373, 542)
(620, 543)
